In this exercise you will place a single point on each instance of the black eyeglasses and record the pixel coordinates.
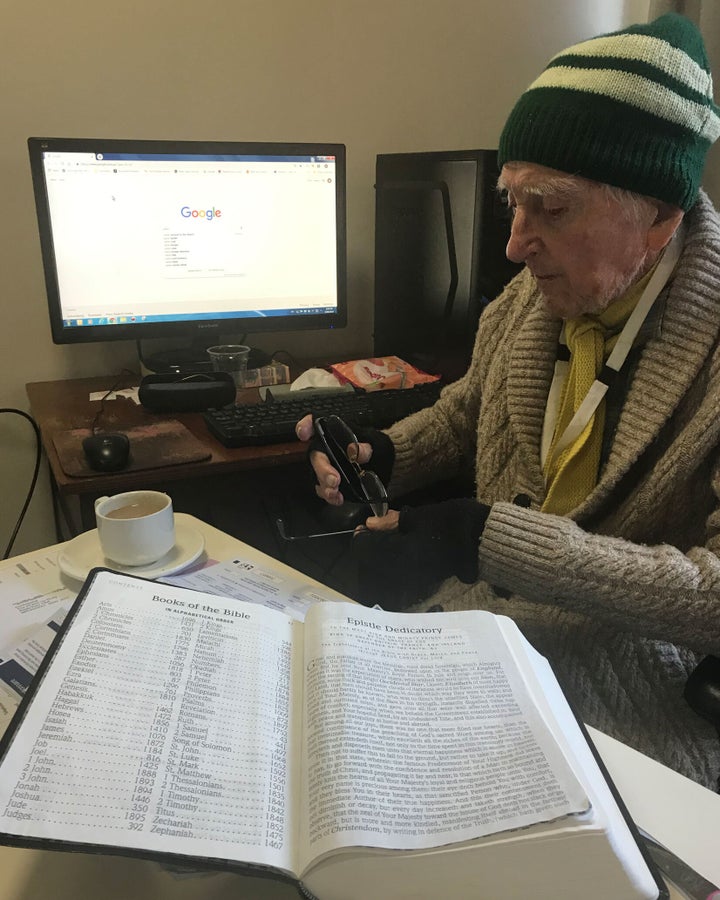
(342, 448)
(357, 485)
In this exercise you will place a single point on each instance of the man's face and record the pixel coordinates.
(583, 246)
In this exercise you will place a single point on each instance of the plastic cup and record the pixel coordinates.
(232, 358)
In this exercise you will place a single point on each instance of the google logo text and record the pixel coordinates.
(208, 214)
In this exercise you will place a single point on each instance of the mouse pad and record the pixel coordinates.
(160, 444)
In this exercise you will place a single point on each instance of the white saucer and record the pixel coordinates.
(83, 553)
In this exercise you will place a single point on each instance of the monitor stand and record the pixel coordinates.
(181, 361)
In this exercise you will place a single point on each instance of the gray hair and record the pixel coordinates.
(636, 207)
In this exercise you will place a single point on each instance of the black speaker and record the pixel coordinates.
(187, 393)
(440, 237)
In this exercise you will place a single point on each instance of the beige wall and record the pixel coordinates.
(709, 21)
(377, 75)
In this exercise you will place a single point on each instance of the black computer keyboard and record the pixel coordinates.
(274, 421)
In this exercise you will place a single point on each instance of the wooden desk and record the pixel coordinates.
(64, 405)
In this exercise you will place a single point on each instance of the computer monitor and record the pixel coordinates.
(189, 240)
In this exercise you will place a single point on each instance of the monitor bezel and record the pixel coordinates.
(200, 330)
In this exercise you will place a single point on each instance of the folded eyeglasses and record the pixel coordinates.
(339, 442)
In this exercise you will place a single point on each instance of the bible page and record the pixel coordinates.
(165, 721)
(419, 732)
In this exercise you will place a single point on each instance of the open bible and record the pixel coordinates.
(359, 753)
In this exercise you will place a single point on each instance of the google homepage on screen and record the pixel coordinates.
(150, 238)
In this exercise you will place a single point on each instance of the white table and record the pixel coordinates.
(681, 814)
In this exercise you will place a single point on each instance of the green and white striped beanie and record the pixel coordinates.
(633, 109)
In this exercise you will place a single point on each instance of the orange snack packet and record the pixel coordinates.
(381, 372)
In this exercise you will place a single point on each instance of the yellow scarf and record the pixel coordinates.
(572, 474)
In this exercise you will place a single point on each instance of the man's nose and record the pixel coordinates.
(524, 239)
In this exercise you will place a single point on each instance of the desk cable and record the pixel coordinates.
(111, 390)
(33, 482)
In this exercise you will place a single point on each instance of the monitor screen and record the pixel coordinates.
(157, 239)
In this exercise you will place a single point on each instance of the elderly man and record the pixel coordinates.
(591, 408)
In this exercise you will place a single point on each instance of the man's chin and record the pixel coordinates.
(560, 306)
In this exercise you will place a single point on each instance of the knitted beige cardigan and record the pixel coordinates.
(623, 595)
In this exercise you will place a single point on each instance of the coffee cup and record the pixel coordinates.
(135, 528)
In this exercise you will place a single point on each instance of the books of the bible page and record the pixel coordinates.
(166, 722)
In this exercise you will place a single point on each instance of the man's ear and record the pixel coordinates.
(666, 223)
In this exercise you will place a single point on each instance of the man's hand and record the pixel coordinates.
(388, 522)
(328, 477)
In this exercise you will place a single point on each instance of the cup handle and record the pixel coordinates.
(99, 500)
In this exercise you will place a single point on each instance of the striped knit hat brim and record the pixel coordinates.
(634, 109)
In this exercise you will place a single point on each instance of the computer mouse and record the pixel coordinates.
(107, 452)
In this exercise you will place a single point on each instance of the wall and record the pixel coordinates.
(377, 75)
(708, 19)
